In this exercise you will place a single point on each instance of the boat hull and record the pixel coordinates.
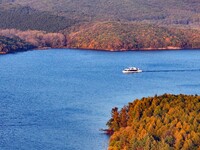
(127, 72)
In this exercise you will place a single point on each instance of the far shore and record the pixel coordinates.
(108, 50)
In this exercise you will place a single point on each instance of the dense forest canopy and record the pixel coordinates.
(171, 12)
(13, 45)
(111, 36)
(164, 122)
(131, 36)
(108, 24)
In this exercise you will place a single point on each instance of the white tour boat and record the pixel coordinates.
(132, 70)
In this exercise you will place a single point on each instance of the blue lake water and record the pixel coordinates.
(59, 99)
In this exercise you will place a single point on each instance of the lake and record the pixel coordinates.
(59, 99)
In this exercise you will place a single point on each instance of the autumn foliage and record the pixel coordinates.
(89, 24)
(167, 122)
(37, 38)
(112, 36)
(131, 36)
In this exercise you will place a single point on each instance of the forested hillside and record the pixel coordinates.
(166, 122)
(26, 18)
(111, 36)
(131, 36)
(108, 24)
(13, 45)
(185, 13)
(39, 39)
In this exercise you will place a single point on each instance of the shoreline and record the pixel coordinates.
(3, 53)
(105, 50)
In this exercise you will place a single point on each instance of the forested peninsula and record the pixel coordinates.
(113, 25)
(167, 122)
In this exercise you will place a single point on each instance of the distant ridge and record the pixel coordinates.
(178, 13)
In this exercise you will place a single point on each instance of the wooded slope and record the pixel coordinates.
(167, 122)
(15, 44)
(106, 24)
(51, 15)
(131, 36)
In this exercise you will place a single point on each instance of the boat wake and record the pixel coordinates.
(185, 70)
